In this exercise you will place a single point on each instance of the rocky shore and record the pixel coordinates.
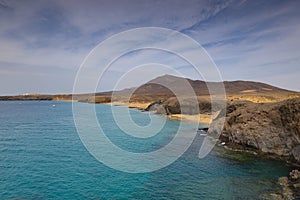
(259, 117)
(290, 187)
(269, 128)
(266, 128)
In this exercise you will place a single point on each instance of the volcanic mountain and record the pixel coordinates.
(163, 87)
(155, 86)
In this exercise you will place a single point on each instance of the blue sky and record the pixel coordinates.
(43, 43)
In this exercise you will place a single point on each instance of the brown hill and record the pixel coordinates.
(160, 85)
(200, 87)
(164, 87)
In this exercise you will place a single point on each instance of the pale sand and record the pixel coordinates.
(201, 118)
(62, 99)
(271, 98)
(137, 105)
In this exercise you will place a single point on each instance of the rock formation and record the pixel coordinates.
(272, 128)
(290, 187)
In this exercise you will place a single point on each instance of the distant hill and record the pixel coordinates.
(155, 87)
(160, 88)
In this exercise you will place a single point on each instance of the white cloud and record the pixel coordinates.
(248, 39)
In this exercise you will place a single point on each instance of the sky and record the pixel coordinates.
(44, 43)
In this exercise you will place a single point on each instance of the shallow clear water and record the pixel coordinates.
(42, 157)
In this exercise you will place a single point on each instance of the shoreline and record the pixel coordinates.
(223, 142)
(204, 119)
(199, 118)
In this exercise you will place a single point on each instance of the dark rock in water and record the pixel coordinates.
(295, 175)
(286, 193)
(290, 186)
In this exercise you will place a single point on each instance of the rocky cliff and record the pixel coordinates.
(185, 106)
(272, 128)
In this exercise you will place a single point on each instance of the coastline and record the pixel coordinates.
(249, 126)
(199, 118)
(136, 105)
(244, 127)
(230, 146)
(188, 165)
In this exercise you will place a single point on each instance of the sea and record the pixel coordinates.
(43, 157)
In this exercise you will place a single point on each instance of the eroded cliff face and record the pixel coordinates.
(270, 128)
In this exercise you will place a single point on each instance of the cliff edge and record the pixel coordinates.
(272, 128)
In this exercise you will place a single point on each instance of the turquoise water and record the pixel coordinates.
(42, 157)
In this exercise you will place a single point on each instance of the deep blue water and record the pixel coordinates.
(42, 157)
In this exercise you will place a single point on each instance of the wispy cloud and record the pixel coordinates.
(256, 40)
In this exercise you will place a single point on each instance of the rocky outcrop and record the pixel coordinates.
(185, 106)
(272, 128)
(157, 107)
(290, 187)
